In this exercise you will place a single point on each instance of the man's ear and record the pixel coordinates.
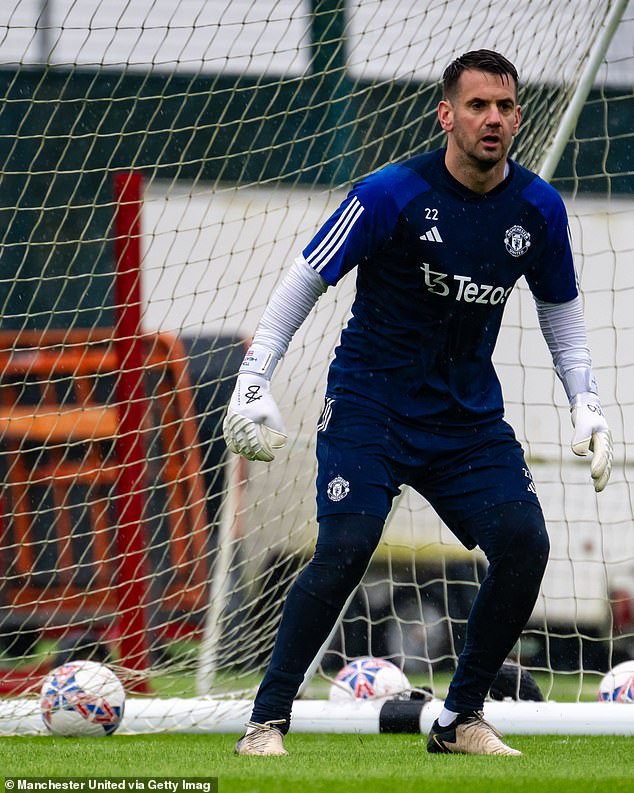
(445, 115)
(518, 118)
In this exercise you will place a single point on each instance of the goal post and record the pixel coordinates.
(163, 164)
(584, 84)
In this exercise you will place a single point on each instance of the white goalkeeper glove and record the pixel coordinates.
(253, 426)
(592, 434)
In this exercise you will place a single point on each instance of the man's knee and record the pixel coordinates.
(512, 531)
(344, 548)
(531, 537)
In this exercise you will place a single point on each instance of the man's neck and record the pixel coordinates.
(475, 179)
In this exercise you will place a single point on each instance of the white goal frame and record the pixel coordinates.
(261, 530)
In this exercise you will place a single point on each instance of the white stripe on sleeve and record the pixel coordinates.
(335, 238)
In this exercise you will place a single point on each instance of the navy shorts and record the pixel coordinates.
(364, 457)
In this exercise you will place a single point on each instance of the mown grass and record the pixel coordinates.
(333, 763)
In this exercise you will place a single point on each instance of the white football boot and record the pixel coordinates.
(468, 734)
(262, 739)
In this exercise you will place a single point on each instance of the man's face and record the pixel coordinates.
(481, 118)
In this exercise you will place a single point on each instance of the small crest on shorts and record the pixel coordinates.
(338, 488)
(517, 240)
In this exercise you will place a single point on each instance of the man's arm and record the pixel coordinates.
(564, 330)
(360, 225)
(253, 426)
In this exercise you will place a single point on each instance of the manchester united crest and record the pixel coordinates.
(517, 240)
(338, 488)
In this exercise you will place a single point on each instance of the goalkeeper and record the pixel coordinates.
(412, 398)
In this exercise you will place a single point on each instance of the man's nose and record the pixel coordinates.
(494, 118)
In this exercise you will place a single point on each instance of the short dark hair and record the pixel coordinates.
(479, 60)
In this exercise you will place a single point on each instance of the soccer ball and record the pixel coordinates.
(82, 698)
(368, 678)
(618, 684)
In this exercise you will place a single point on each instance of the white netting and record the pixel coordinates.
(247, 122)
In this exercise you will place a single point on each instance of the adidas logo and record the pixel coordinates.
(433, 235)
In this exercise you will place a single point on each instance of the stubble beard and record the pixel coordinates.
(483, 162)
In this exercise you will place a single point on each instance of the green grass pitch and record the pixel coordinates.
(334, 763)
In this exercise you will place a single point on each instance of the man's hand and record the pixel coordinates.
(253, 426)
(592, 434)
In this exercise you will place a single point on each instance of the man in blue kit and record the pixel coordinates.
(412, 397)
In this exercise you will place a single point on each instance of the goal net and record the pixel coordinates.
(163, 162)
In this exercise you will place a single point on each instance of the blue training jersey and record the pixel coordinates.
(436, 263)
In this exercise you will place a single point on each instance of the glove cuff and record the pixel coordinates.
(259, 360)
(579, 381)
(584, 398)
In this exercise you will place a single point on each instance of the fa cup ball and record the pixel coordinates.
(82, 698)
(618, 684)
(369, 678)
